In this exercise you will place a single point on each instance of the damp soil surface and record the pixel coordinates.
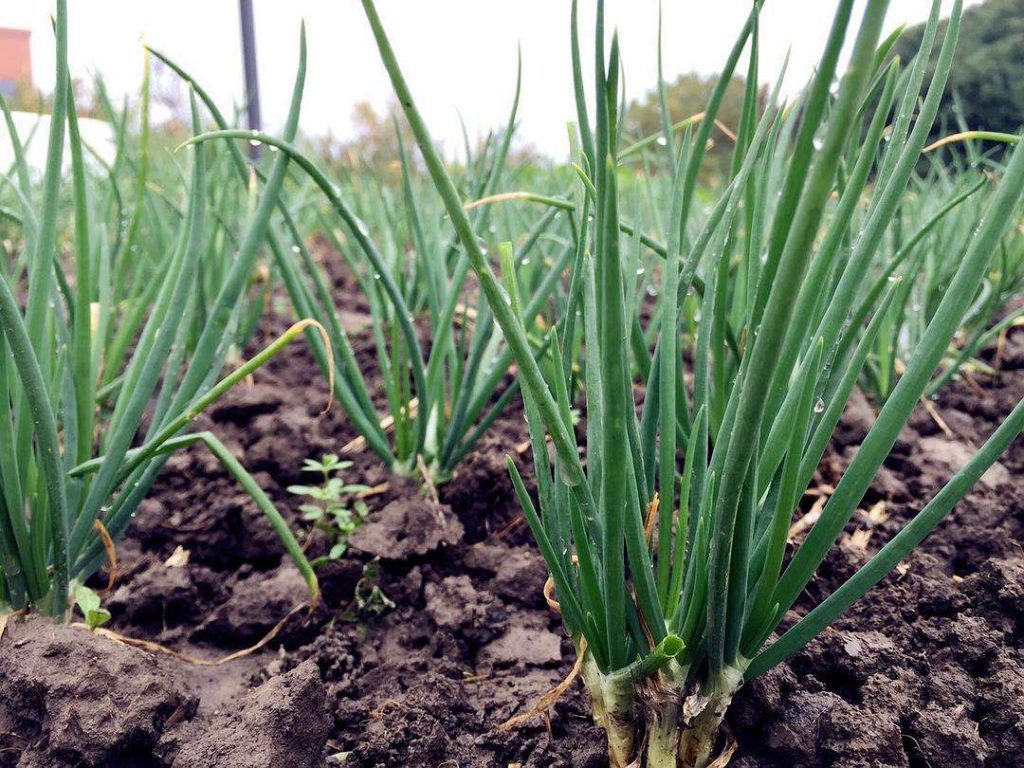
(433, 628)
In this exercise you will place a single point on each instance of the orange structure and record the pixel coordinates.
(15, 59)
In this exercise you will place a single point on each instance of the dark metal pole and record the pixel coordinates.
(252, 82)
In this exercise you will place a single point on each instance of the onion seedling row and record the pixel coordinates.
(440, 404)
(834, 249)
(77, 455)
(673, 583)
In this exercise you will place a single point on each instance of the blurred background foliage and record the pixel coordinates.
(986, 86)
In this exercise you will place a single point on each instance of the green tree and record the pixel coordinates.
(686, 96)
(988, 70)
(27, 97)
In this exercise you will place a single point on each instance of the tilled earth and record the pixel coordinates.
(927, 670)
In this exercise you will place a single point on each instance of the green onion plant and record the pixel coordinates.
(438, 402)
(668, 546)
(77, 455)
(935, 219)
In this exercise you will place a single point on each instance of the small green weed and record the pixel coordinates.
(330, 506)
(89, 604)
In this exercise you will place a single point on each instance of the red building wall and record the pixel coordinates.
(15, 58)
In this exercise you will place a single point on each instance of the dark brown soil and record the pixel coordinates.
(928, 670)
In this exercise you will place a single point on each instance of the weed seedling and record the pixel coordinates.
(92, 609)
(331, 507)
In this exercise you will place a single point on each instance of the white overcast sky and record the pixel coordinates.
(459, 55)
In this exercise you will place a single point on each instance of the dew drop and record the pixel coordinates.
(819, 406)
